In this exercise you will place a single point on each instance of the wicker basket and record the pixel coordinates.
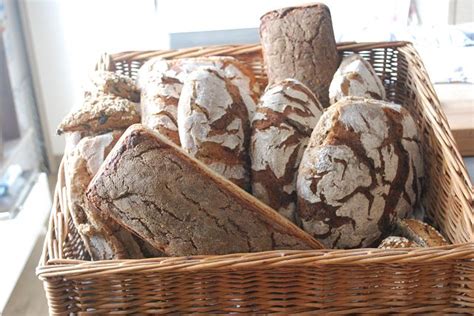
(347, 281)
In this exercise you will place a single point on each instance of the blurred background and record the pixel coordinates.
(48, 48)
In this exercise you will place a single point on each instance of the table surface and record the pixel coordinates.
(457, 101)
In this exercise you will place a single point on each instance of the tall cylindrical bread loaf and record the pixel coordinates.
(214, 125)
(281, 127)
(361, 170)
(299, 43)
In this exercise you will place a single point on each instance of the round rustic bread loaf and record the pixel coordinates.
(161, 82)
(214, 125)
(362, 168)
(281, 127)
(298, 42)
(355, 77)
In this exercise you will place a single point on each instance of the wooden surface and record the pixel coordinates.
(457, 100)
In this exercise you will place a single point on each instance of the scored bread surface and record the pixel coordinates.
(214, 124)
(362, 168)
(161, 82)
(285, 117)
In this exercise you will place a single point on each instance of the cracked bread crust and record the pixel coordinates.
(299, 43)
(107, 82)
(182, 207)
(99, 114)
(104, 238)
(356, 77)
(362, 168)
(162, 80)
(281, 127)
(214, 125)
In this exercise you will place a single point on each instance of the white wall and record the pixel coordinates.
(65, 39)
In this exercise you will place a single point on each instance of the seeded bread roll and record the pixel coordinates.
(356, 77)
(281, 127)
(421, 233)
(214, 125)
(101, 113)
(106, 82)
(103, 238)
(362, 168)
(299, 43)
(182, 207)
(162, 80)
(393, 242)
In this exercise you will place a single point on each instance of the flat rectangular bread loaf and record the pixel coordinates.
(180, 206)
(102, 237)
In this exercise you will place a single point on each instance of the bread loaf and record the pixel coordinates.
(362, 168)
(393, 242)
(106, 82)
(182, 207)
(101, 113)
(420, 233)
(213, 124)
(161, 82)
(285, 117)
(103, 238)
(356, 77)
(298, 42)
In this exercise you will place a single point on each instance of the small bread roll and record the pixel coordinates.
(392, 242)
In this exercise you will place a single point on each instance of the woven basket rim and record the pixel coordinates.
(258, 260)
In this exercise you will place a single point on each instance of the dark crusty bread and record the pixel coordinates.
(421, 233)
(214, 125)
(361, 170)
(103, 238)
(356, 77)
(281, 127)
(298, 42)
(161, 82)
(182, 207)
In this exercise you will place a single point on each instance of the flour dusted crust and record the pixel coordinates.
(298, 42)
(355, 77)
(285, 117)
(180, 206)
(214, 125)
(101, 113)
(362, 168)
(107, 82)
(102, 237)
(421, 233)
(161, 82)
(393, 242)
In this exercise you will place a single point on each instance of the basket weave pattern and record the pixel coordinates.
(349, 281)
